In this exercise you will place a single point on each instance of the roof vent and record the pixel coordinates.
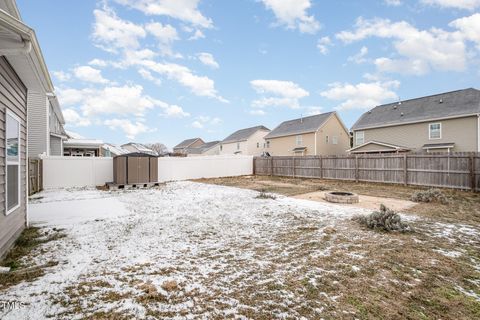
(395, 107)
(401, 114)
(441, 100)
(369, 111)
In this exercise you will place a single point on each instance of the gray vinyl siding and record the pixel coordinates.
(13, 96)
(461, 131)
(37, 124)
(56, 146)
(54, 124)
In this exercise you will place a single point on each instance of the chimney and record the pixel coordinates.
(301, 118)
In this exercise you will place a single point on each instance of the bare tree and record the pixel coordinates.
(158, 147)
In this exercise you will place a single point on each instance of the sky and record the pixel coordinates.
(167, 70)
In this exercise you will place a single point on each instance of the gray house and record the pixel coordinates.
(446, 122)
(183, 146)
(22, 70)
(46, 134)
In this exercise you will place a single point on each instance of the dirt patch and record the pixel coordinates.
(366, 202)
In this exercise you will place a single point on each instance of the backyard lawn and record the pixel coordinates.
(218, 249)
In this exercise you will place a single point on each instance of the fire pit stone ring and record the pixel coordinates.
(341, 197)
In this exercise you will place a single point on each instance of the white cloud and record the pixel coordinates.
(119, 100)
(166, 35)
(131, 129)
(208, 60)
(110, 32)
(323, 44)
(62, 76)
(393, 3)
(278, 93)
(199, 85)
(198, 34)
(184, 10)
(98, 63)
(361, 95)
(420, 50)
(89, 74)
(293, 14)
(74, 119)
(147, 75)
(360, 56)
(202, 122)
(311, 111)
(459, 4)
(257, 112)
(469, 28)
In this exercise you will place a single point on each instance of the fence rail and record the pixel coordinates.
(459, 171)
(35, 176)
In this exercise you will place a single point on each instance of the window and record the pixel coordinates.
(435, 131)
(326, 139)
(298, 140)
(268, 144)
(334, 140)
(221, 147)
(359, 138)
(258, 145)
(238, 145)
(12, 151)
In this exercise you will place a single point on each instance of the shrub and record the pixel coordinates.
(264, 195)
(430, 195)
(385, 219)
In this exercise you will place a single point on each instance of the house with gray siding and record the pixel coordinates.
(22, 70)
(46, 134)
(183, 146)
(445, 122)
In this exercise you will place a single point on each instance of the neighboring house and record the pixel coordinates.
(211, 148)
(46, 134)
(186, 144)
(247, 141)
(138, 147)
(22, 70)
(82, 148)
(322, 134)
(111, 150)
(439, 123)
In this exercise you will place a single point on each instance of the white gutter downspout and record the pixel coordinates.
(27, 174)
(478, 132)
(316, 142)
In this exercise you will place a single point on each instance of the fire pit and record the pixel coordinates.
(341, 197)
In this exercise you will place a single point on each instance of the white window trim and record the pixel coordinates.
(430, 131)
(334, 140)
(299, 140)
(7, 162)
(356, 138)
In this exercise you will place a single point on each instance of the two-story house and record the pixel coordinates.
(248, 141)
(46, 134)
(321, 134)
(446, 122)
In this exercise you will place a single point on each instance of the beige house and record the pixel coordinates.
(211, 148)
(446, 122)
(247, 141)
(183, 146)
(322, 134)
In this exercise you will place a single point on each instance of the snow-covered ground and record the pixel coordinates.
(130, 243)
(186, 250)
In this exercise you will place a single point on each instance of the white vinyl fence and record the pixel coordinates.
(175, 169)
(65, 172)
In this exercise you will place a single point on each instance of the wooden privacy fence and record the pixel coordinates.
(460, 171)
(35, 176)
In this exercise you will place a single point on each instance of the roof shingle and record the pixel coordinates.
(449, 104)
(243, 134)
(186, 143)
(298, 126)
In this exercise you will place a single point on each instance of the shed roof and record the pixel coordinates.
(243, 134)
(300, 125)
(443, 105)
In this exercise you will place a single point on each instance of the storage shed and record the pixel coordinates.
(135, 168)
